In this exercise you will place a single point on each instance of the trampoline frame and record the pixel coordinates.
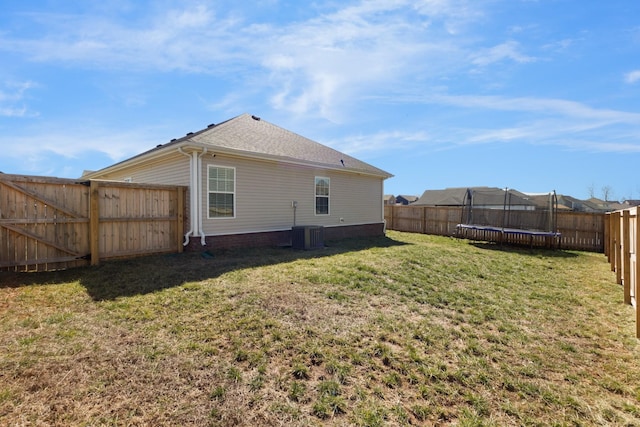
(551, 236)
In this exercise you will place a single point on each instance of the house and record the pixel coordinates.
(480, 197)
(406, 200)
(605, 205)
(569, 203)
(389, 199)
(251, 181)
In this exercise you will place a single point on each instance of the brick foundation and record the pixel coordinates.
(280, 238)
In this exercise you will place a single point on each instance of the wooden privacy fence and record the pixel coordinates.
(623, 236)
(579, 231)
(54, 223)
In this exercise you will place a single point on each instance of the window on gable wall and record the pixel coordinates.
(221, 191)
(322, 195)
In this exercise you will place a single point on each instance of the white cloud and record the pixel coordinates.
(507, 50)
(529, 120)
(370, 47)
(192, 39)
(543, 106)
(74, 142)
(381, 141)
(12, 99)
(632, 77)
(312, 66)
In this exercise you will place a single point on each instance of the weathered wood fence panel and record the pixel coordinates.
(623, 236)
(54, 223)
(580, 231)
(43, 223)
(440, 221)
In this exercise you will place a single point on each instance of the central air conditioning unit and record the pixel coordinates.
(307, 237)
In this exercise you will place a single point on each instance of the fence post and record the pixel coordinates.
(607, 236)
(612, 241)
(626, 255)
(393, 217)
(618, 221)
(180, 221)
(637, 275)
(94, 223)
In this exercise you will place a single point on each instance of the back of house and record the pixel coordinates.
(250, 182)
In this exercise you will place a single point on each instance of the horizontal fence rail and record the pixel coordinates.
(623, 236)
(578, 230)
(53, 223)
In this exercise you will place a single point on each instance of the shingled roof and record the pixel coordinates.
(248, 135)
(487, 196)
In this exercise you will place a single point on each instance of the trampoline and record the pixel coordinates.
(511, 217)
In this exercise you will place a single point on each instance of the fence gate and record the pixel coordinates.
(44, 223)
(54, 223)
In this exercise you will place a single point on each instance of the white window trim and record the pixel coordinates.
(235, 179)
(315, 211)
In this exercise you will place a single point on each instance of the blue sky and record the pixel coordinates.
(533, 95)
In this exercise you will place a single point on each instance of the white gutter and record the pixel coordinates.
(200, 205)
(281, 159)
(191, 198)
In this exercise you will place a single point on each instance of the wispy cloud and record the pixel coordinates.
(549, 121)
(381, 141)
(328, 60)
(12, 99)
(318, 67)
(632, 77)
(546, 106)
(77, 141)
(509, 50)
(192, 39)
(314, 65)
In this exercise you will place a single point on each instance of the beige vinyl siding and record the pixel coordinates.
(265, 190)
(171, 170)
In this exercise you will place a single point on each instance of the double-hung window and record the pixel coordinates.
(322, 195)
(222, 192)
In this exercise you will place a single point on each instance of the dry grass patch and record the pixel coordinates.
(407, 329)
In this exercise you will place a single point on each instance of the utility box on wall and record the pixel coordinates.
(307, 237)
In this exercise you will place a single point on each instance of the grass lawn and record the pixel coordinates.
(404, 330)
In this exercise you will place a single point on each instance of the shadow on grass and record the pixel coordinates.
(143, 275)
(524, 250)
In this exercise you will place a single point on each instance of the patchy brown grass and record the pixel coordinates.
(403, 330)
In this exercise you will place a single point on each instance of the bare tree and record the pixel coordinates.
(592, 191)
(607, 193)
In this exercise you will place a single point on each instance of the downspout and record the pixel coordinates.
(200, 205)
(192, 210)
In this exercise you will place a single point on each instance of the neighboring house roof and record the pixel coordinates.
(250, 136)
(446, 197)
(409, 199)
(484, 196)
(542, 201)
(573, 204)
(605, 206)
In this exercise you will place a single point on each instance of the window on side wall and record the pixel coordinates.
(222, 192)
(322, 195)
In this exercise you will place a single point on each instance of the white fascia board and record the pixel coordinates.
(288, 160)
